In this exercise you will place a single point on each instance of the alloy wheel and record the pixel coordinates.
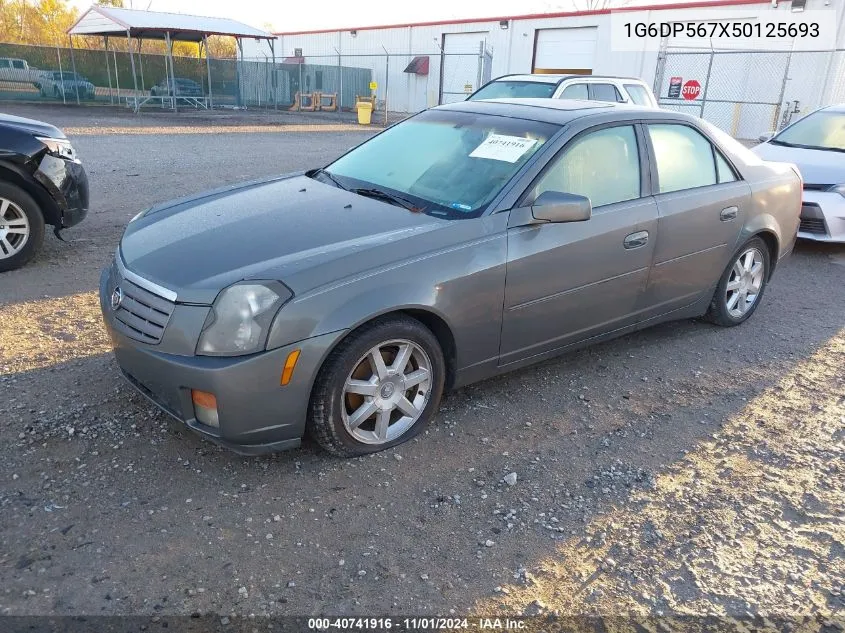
(386, 392)
(744, 283)
(14, 228)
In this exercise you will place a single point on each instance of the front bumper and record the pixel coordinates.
(822, 217)
(67, 183)
(256, 413)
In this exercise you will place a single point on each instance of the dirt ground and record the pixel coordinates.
(683, 470)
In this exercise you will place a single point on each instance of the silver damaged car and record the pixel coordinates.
(466, 241)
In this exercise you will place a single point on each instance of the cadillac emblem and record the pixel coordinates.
(116, 298)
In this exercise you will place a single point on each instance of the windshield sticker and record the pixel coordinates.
(462, 207)
(505, 148)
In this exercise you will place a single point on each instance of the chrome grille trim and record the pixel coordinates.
(142, 315)
(153, 287)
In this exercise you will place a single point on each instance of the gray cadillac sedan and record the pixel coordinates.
(467, 241)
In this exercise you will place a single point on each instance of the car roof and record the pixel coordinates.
(555, 79)
(836, 107)
(557, 111)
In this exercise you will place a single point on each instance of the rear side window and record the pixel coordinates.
(4, 63)
(723, 169)
(575, 91)
(603, 165)
(685, 158)
(638, 94)
(604, 92)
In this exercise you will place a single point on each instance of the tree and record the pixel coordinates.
(35, 21)
(46, 22)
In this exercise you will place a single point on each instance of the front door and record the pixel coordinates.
(570, 281)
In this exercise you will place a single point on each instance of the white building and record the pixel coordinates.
(585, 42)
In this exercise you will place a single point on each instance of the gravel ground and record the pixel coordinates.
(686, 469)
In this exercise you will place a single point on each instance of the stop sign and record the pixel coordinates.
(691, 90)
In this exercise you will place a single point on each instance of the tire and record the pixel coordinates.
(337, 417)
(18, 210)
(56, 93)
(729, 306)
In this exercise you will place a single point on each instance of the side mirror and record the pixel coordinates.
(554, 206)
(764, 137)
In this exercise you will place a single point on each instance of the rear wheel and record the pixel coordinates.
(21, 227)
(741, 286)
(379, 388)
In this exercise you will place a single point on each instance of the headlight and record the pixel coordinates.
(840, 189)
(138, 215)
(240, 318)
(60, 147)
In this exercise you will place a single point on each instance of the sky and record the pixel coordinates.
(287, 15)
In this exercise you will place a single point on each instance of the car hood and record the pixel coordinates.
(274, 229)
(30, 125)
(817, 167)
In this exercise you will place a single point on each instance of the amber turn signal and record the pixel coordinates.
(290, 364)
(203, 399)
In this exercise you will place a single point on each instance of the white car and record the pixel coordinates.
(19, 71)
(588, 87)
(816, 144)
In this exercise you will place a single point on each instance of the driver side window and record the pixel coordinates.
(603, 165)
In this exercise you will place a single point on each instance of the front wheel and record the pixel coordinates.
(379, 388)
(21, 227)
(741, 286)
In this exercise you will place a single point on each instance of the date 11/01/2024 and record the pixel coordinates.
(773, 30)
(417, 624)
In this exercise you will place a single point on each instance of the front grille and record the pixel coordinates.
(816, 187)
(142, 315)
(812, 225)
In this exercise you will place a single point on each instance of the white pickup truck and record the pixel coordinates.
(19, 71)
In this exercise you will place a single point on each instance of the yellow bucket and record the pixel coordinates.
(365, 112)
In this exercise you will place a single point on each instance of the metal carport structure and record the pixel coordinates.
(139, 25)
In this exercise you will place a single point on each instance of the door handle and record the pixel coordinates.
(636, 240)
(728, 214)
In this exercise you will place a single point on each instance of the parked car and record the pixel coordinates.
(41, 182)
(179, 87)
(54, 83)
(19, 71)
(343, 301)
(816, 144)
(587, 87)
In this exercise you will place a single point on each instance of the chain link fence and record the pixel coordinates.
(749, 93)
(395, 84)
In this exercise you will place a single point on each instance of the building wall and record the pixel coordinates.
(512, 50)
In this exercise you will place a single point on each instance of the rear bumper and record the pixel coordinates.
(256, 413)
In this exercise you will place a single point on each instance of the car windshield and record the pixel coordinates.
(824, 129)
(65, 76)
(444, 163)
(515, 90)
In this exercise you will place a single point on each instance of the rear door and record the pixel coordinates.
(702, 205)
(567, 282)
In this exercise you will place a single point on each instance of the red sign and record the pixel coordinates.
(691, 90)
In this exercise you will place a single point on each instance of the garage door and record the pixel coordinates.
(565, 50)
(460, 65)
